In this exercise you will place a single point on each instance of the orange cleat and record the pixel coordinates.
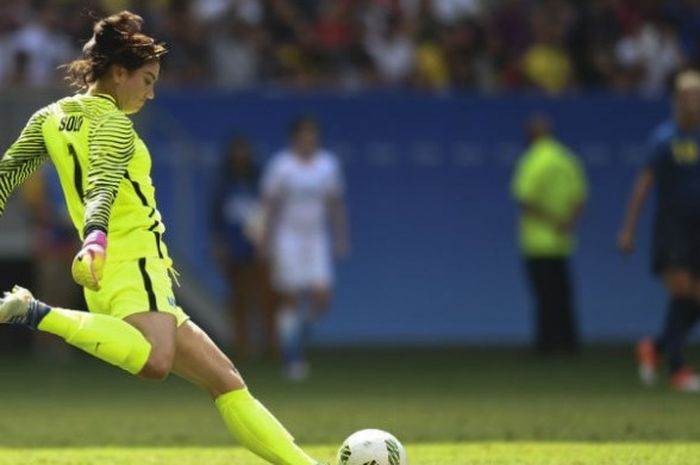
(685, 380)
(647, 361)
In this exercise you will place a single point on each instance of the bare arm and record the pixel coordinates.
(271, 207)
(640, 192)
(339, 225)
(219, 248)
(574, 214)
(535, 211)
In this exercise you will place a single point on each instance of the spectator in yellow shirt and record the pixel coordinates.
(546, 63)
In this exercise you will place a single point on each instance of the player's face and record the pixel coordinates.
(688, 101)
(306, 140)
(239, 157)
(136, 87)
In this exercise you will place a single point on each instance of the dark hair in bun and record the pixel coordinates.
(116, 40)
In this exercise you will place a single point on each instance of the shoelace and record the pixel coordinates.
(18, 319)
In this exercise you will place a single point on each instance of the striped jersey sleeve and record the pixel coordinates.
(112, 144)
(23, 157)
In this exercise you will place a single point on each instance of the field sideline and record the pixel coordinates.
(450, 406)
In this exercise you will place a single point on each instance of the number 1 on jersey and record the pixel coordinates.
(77, 172)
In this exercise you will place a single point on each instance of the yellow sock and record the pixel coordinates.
(255, 428)
(106, 337)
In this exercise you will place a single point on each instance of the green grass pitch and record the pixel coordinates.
(471, 406)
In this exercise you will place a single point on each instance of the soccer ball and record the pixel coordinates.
(371, 447)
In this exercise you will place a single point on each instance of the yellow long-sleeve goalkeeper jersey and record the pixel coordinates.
(104, 168)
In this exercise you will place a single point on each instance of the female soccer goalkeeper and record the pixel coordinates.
(104, 168)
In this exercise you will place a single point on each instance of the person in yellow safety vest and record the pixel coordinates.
(550, 188)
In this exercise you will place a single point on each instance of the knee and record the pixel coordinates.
(322, 302)
(158, 367)
(321, 299)
(288, 301)
(227, 380)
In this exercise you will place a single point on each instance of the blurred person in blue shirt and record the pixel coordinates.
(53, 248)
(673, 170)
(237, 221)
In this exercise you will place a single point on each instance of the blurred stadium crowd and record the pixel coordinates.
(554, 46)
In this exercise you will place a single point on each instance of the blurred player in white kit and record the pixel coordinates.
(303, 194)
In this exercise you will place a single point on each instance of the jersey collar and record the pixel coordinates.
(107, 97)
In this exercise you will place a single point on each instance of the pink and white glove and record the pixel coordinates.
(88, 264)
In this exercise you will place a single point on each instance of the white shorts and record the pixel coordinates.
(301, 261)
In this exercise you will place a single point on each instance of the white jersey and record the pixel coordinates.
(301, 254)
(301, 189)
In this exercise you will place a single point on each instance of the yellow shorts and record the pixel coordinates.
(135, 286)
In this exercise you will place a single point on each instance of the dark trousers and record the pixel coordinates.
(551, 287)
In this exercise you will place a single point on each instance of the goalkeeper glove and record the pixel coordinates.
(88, 264)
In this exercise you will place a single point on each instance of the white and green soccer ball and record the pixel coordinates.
(371, 447)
